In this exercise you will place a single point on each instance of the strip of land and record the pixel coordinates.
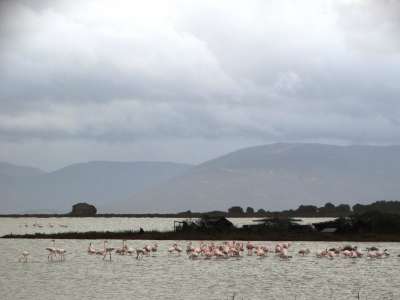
(238, 235)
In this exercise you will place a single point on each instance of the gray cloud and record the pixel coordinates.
(134, 73)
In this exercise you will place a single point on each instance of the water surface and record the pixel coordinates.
(166, 276)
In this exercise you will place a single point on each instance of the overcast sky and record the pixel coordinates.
(189, 80)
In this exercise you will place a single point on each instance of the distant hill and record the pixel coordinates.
(99, 182)
(279, 176)
(273, 177)
(11, 170)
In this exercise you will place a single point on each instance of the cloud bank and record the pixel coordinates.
(194, 78)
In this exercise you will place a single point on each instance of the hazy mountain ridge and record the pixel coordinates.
(98, 182)
(280, 176)
(273, 177)
(11, 170)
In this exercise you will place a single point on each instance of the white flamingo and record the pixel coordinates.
(61, 252)
(108, 250)
(24, 256)
(52, 251)
(102, 251)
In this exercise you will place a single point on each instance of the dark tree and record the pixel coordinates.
(307, 209)
(83, 210)
(329, 206)
(343, 208)
(249, 210)
(236, 210)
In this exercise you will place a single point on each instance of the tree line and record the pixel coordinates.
(328, 210)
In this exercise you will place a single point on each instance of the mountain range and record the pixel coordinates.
(273, 177)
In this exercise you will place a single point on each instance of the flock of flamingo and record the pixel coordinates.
(50, 225)
(204, 250)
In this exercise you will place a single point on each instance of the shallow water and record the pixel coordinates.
(51, 225)
(166, 276)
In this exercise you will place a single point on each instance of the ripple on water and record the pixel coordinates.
(168, 276)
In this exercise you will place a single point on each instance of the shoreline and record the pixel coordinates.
(156, 215)
(220, 236)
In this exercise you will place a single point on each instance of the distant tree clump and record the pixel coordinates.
(249, 210)
(83, 210)
(307, 209)
(381, 206)
(329, 206)
(261, 211)
(235, 210)
(327, 210)
(343, 208)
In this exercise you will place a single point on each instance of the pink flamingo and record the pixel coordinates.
(249, 247)
(122, 250)
(260, 252)
(91, 249)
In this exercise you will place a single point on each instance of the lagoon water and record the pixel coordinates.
(49, 225)
(166, 276)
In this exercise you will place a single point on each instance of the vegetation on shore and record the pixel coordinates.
(238, 235)
(370, 226)
(303, 211)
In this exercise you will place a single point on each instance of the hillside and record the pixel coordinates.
(279, 176)
(98, 182)
(11, 170)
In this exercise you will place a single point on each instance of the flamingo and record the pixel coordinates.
(61, 252)
(260, 252)
(175, 248)
(129, 250)
(249, 247)
(103, 251)
(108, 250)
(331, 254)
(52, 251)
(189, 248)
(154, 248)
(24, 256)
(122, 250)
(147, 249)
(91, 249)
(284, 254)
(304, 251)
(178, 249)
(139, 253)
(193, 255)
